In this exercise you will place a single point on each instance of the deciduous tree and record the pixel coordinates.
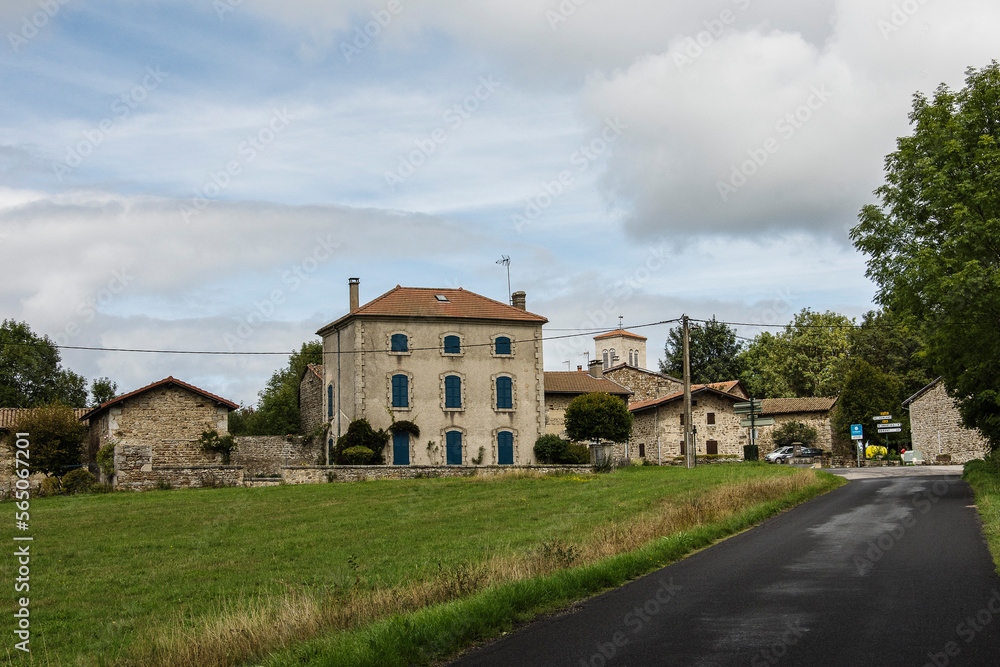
(55, 435)
(598, 416)
(714, 352)
(933, 239)
(31, 373)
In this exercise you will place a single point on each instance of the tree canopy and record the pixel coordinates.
(714, 351)
(277, 410)
(598, 416)
(55, 435)
(869, 391)
(31, 373)
(933, 239)
(102, 390)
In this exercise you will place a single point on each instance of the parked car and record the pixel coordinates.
(778, 455)
(783, 454)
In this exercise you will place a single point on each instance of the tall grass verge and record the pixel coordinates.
(414, 622)
(983, 475)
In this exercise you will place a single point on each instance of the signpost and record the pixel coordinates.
(759, 421)
(752, 408)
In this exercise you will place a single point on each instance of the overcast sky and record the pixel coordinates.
(206, 175)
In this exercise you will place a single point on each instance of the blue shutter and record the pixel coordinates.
(453, 447)
(505, 448)
(400, 391)
(505, 397)
(452, 345)
(503, 345)
(399, 343)
(452, 391)
(401, 449)
(329, 401)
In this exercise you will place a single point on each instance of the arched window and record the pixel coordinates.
(400, 391)
(503, 345)
(453, 448)
(630, 358)
(329, 401)
(605, 358)
(505, 393)
(505, 448)
(452, 345)
(399, 343)
(452, 391)
(612, 352)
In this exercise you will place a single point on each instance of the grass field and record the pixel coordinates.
(217, 577)
(984, 477)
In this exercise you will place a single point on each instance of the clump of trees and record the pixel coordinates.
(31, 372)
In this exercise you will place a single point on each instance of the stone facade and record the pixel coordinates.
(360, 368)
(134, 470)
(644, 384)
(321, 474)
(311, 399)
(156, 428)
(936, 426)
(268, 454)
(819, 421)
(658, 429)
(620, 347)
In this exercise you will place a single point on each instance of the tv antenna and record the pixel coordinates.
(505, 261)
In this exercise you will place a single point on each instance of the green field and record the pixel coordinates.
(218, 576)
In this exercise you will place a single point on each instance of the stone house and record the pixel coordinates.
(561, 387)
(155, 431)
(311, 398)
(814, 412)
(936, 426)
(466, 369)
(658, 427)
(620, 356)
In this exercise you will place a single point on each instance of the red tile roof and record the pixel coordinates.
(165, 382)
(715, 388)
(423, 302)
(316, 369)
(783, 406)
(620, 332)
(10, 416)
(581, 382)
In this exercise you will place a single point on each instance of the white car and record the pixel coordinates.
(779, 454)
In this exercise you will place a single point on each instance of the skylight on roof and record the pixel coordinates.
(442, 298)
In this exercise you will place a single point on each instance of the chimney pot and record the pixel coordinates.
(518, 299)
(352, 285)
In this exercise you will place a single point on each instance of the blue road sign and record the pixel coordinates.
(856, 432)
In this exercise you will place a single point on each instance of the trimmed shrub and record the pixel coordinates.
(76, 481)
(361, 434)
(357, 456)
(553, 449)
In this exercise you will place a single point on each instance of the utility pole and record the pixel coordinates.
(690, 458)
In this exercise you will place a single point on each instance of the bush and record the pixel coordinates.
(50, 486)
(357, 456)
(76, 481)
(576, 453)
(553, 449)
(794, 431)
(210, 441)
(361, 434)
(56, 436)
(106, 459)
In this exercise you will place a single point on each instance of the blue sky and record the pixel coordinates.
(207, 174)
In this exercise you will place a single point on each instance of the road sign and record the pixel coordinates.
(882, 418)
(890, 430)
(759, 421)
(889, 425)
(856, 432)
(746, 407)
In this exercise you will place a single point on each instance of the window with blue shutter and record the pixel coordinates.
(505, 395)
(452, 345)
(505, 448)
(452, 391)
(453, 448)
(329, 401)
(503, 345)
(399, 343)
(401, 449)
(400, 391)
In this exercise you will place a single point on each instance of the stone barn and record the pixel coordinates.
(936, 426)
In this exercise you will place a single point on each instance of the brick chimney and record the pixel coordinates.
(597, 368)
(353, 285)
(517, 299)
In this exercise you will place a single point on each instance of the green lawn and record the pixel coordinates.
(109, 569)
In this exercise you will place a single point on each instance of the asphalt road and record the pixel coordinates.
(888, 570)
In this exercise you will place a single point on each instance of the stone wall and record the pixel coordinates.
(322, 474)
(268, 454)
(555, 413)
(644, 384)
(134, 470)
(936, 428)
(311, 401)
(818, 420)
